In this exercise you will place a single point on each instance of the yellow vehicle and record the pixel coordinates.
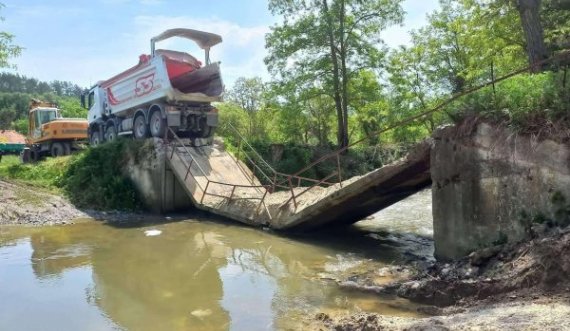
(51, 135)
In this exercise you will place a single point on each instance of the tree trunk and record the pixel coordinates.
(343, 70)
(341, 134)
(529, 11)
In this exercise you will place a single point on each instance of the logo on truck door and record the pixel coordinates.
(144, 85)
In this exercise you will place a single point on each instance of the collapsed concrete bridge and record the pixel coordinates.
(485, 179)
(218, 182)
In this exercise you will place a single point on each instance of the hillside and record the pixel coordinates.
(16, 91)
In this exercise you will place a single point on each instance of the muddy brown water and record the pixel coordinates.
(199, 274)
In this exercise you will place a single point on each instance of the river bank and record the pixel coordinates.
(523, 286)
(28, 205)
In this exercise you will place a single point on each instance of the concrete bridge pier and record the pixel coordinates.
(155, 181)
(491, 185)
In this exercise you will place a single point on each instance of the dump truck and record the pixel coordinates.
(11, 142)
(166, 89)
(49, 134)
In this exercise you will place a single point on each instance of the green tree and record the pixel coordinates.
(71, 108)
(7, 48)
(248, 94)
(370, 105)
(323, 44)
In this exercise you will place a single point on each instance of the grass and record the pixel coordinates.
(46, 174)
(533, 104)
(94, 178)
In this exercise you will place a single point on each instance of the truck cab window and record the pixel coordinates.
(91, 99)
(36, 119)
(46, 116)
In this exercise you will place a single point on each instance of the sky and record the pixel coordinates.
(85, 41)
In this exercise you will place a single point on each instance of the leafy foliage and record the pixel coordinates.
(92, 179)
(95, 179)
(321, 45)
(7, 48)
(17, 91)
(523, 101)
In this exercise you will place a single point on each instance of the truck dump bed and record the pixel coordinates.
(170, 75)
(11, 142)
(187, 75)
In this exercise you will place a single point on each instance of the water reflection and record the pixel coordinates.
(193, 276)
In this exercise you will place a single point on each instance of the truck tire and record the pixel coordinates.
(35, 155)
(140, 129)
(157, 124)
(95, 138)
(206, 131)
(57, 149)
(110, 133)
(67, 148)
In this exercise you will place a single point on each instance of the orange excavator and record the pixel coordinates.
(51, 135)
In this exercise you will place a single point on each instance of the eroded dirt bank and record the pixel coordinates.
(523, 286)
(26, 205)
(22, 204)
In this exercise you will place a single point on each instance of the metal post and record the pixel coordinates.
(189, 167)
(274, 182)
(233, 190)
(204, 194)
(261, 202)
(338, 169)
(292, 191)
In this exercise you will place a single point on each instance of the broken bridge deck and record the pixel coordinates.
(218, 183)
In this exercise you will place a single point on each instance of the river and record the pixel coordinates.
(200, 274)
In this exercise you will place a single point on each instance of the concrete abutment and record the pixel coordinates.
(491, 184)
(156, 183)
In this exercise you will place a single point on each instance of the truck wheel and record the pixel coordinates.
(95, 138)
(57, 149)
(157, 124)
(140, 129)
(205, 130)
(35, 155)
(110, 133)
(67, 148)
(26, 155)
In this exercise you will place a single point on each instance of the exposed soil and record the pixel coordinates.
(520, 315)
(27, 205)
(525, 286)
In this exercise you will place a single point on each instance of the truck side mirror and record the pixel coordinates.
(83, 101)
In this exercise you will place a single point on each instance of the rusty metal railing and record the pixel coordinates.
(277, 180)
(189, 161)
(289, 182)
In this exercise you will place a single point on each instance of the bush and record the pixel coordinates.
(95, 178)
(92, 179)
(520, 100)
(295, 157)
